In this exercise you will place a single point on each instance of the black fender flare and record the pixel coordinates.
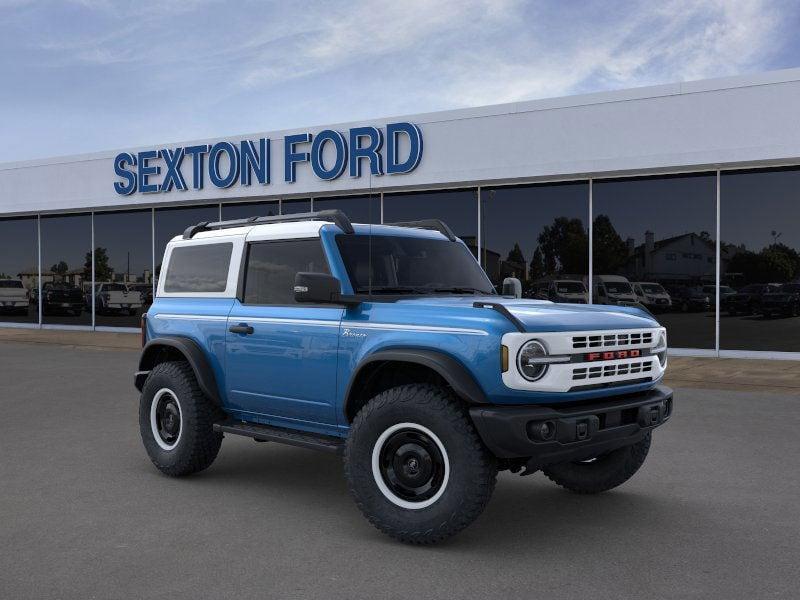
(193, 354)
(451, 370)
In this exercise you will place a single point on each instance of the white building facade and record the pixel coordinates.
(685, 185)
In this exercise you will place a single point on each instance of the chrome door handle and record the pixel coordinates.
(241, 328)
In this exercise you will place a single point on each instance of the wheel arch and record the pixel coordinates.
(374, 374)
(162, 349)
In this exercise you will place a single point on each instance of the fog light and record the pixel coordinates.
(542, 430)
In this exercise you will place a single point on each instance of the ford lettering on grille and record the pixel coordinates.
(612, 355)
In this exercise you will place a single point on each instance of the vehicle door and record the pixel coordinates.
(281, 357)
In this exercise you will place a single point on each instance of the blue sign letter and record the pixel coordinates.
(173, 176)
(197, 152)
(122, 159)
(393, 131)
(254, 162)
(370, 152)
(213, 164)
(317, 149)
(146, 170)
(290, 157)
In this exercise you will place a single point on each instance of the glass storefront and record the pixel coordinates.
(360, 209)
(19, 270)
(538, 234)
(760, 260)
(653, 245)
(457, 208)
(66, 290)
(123, 267)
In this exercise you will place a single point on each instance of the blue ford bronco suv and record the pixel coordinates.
(388, 345)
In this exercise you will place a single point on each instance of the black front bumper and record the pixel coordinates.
(573, 432)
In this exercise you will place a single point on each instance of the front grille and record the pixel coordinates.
(615, 370)
(610, 340)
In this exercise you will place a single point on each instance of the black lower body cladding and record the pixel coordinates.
(562, 433)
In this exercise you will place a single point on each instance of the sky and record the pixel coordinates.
(92, 75)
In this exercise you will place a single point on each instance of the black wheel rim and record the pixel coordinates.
(411, 465)
(168, 418)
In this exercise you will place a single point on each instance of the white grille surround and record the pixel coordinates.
(579, 373)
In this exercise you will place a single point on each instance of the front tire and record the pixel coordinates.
(415, 465)
(176, 421)
(602, 473)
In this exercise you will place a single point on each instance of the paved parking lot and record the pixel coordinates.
(714, 512)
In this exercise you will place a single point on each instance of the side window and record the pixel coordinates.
(271, 267)
(199, 268)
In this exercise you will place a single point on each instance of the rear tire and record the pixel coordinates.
(602, 473)
(415, 465)
(176, 421)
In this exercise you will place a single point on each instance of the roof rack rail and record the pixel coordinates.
(333, 216)
(435, 224)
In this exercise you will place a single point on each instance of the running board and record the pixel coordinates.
(268, 433)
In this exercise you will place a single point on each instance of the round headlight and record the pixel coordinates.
(529, 360)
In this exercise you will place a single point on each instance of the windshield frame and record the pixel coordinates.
(480, 284)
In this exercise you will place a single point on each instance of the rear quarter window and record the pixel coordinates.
(202, 268)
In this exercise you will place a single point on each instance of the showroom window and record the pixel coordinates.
(66, 269)
(538, 234)
(760, 260)
(170, 222)
(19, 270)
(250, 209)
(291, 207)
(360, 209)
(123, 267)
(659, 231)
(457, 208)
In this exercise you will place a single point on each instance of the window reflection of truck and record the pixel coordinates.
(567, 291)
(615, 290)
(116, 298)
(14, 298)
(652, 295)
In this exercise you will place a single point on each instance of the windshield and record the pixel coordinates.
(570, 287)
(410, 265)
(616, 287)
(652, 288)
(10, 283)
(790, 288)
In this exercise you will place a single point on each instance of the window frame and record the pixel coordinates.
(233, 266)
(245, 263)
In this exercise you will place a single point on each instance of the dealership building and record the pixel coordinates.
(684, 197)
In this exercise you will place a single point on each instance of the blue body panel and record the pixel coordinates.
(294, 370)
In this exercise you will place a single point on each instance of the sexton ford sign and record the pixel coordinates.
(225, 164)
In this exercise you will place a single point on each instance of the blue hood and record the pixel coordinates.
(541, 315)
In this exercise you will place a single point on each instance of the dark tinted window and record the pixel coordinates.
(123, 255)
(457, 208)
(170, 222)
(67, 262)
(659, 230)
(359, 209)
(272, 266)
(538, 234)
(19, 265)
(290, 207)
(410, 265)
(759, 217)
(201, 268)
(249, 209)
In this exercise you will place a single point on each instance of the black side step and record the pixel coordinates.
(268, 433)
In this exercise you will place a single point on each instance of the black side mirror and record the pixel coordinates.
(319, 288)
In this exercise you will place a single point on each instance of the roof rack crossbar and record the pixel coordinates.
(333, 216)
(435, 224)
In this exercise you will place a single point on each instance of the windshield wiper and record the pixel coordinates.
(393, 289)
(463, 290)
